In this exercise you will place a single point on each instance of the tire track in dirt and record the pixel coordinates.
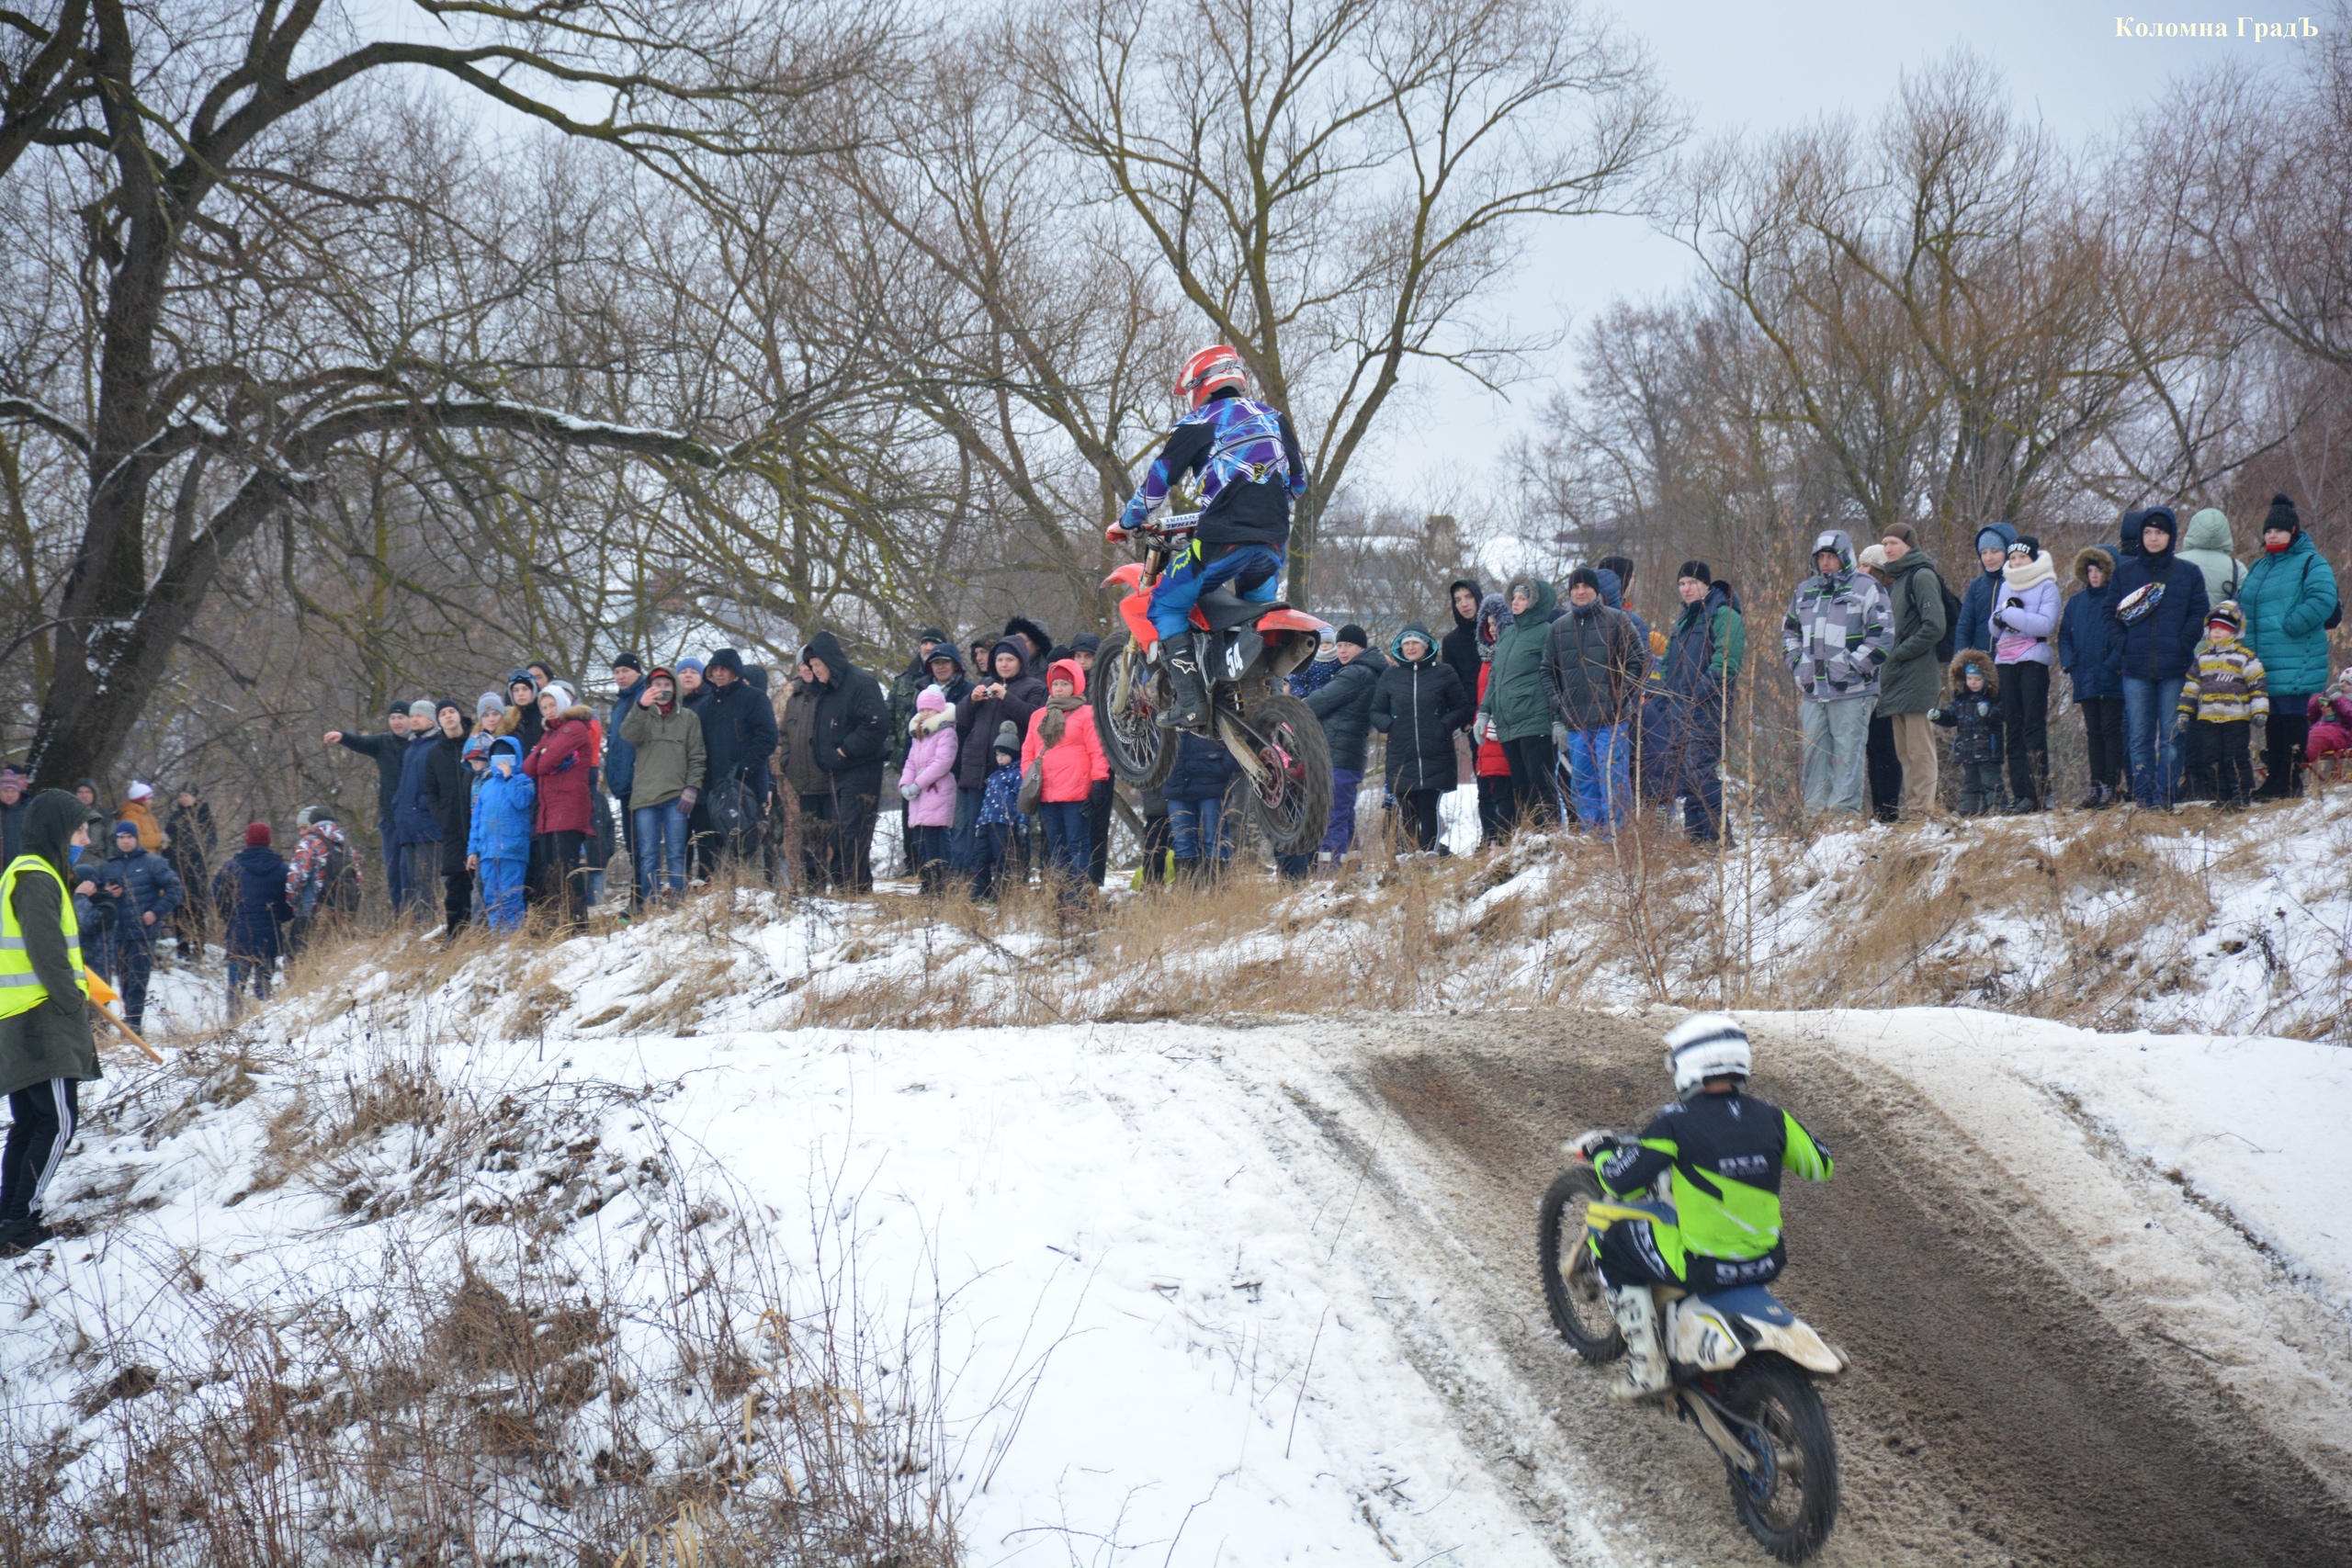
(1994, 1415)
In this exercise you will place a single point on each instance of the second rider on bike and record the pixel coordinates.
(1248, 459)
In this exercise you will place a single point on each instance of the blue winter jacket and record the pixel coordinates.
(1976, 629)
(2287, 599)
(412, 819)
(150, 885)
(620, 756)
(2090, 639)
(502, 824)
(2159, 645)
(250, 891)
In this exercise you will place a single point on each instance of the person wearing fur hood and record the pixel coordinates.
(2090, 649)
(1972, 713)
(561, 766)
(928, 782)
(2024, 622)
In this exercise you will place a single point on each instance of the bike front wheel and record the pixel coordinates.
(1573, 1292)
(1129, 694)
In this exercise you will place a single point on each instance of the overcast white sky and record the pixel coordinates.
(1763, 66)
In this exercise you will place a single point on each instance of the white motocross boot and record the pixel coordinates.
(1644, 1376)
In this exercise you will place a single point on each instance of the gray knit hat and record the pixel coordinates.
(421, 709)
(1008, 738)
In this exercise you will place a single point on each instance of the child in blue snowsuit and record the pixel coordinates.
(498, 845)
(1002, 827)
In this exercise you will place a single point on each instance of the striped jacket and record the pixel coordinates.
(2225, 684)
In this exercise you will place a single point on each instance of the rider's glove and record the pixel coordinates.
(1116, 533)
(1584, 1145)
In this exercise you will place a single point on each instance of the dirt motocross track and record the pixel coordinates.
(1998, 1411)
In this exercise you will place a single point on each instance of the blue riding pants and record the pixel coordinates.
(1251, 568)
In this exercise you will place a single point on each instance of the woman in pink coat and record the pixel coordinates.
(928, 782)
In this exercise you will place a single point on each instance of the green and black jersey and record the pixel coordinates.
(1726, 1151)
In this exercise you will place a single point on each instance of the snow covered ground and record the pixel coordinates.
(1157, 1340)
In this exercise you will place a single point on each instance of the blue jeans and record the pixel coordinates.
(1198, 828)
(2148, 724)
(1600, 763)
(962, 853)
(661, 844)
(1067, 840)
(1251, 568)
(1345, 785)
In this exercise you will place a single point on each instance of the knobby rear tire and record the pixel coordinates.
(1139, 752)
(1792, 1512)
(1572, 1288)
(1296, 824)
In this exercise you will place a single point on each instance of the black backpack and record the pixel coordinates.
(334, 887)
(1948, 644)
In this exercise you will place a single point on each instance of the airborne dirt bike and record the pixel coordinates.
(1245, 651)
(1742, 1365)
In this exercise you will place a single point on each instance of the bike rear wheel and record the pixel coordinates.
(1789, 1503)
(1293, 803)
(1573, 1292)
(1128, 697)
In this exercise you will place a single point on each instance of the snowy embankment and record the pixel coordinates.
(1107, 1283)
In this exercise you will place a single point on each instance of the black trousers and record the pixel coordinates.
(854, 816)
(1493, 808)
(2283, 735)
(2103, 732)
(1417, 819)
(1534, 798)
(2025, 722)
(134, 963)
(564, 878)
(1098, 828)
(1882, 768)
(1630, 1256)
(42, 1117)
(457, 899)
(2224, 752)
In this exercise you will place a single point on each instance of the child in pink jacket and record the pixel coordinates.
(1061, 736)
(928, 782)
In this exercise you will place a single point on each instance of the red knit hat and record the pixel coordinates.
(258, 835)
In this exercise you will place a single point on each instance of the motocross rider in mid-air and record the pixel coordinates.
(1726, 1149)
(1250, 471)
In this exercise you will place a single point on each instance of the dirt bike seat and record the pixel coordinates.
(1751, 1301)
(1220, 609)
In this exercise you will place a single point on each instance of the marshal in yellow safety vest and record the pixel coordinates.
(20, 988)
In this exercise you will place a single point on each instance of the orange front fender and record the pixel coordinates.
(1131, 575)
(1290, 621)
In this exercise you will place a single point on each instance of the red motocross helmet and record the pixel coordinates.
(1213, 367)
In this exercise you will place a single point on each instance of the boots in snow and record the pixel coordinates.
(1190, 706)
(1644, 1376)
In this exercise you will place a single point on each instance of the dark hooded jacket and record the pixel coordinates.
(250, 892)
(1419, 705)
(449, 797)
(1594, 663)
(1974, 718)
(1203, 769)
(2159, 645)
(51, 1041)
(1343, 704)
(1460, 649)
(2090, 639)
(850, 732)
(1975, 628)
(739, 735)
(1515, 688)
(977, 721)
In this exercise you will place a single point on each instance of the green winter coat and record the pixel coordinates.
(51, 1041)
(2287, 599)
(1514, 698)
(1913, 675)
(670, 758)
(2207, 546)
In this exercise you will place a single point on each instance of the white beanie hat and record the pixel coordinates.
(142, 790)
